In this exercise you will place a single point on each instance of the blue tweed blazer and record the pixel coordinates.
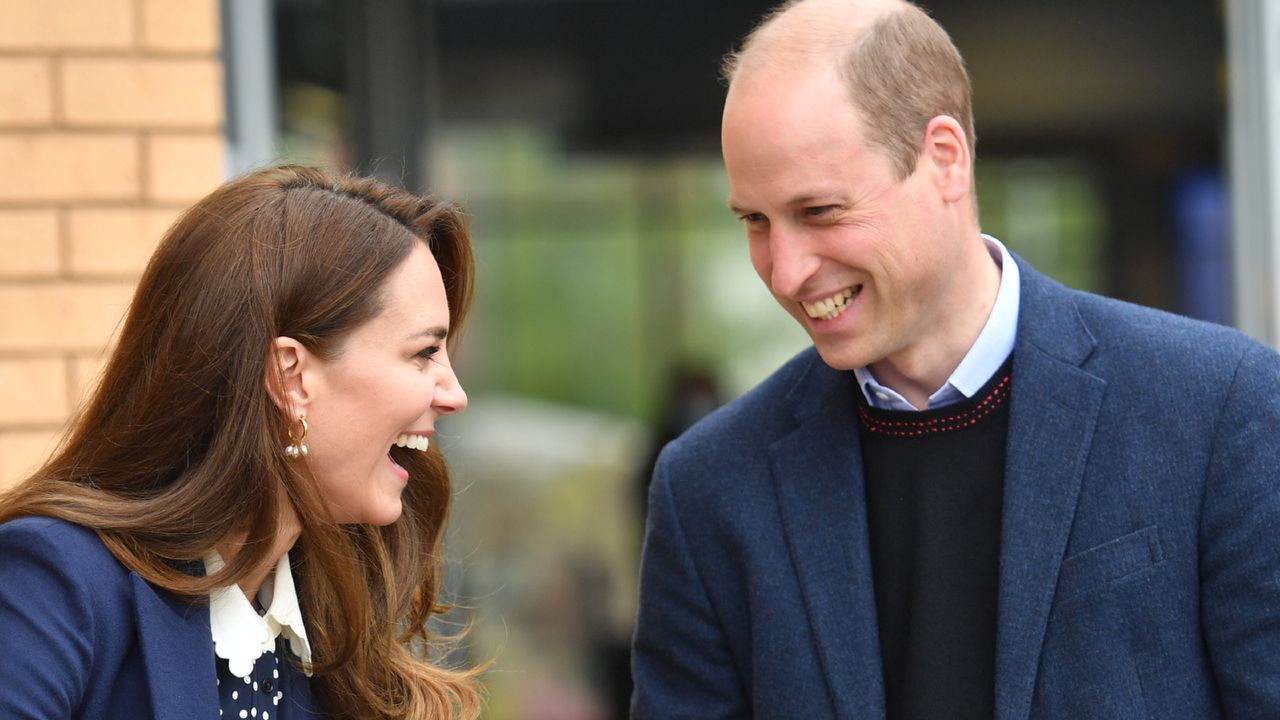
(83, 637)
(1140, 554)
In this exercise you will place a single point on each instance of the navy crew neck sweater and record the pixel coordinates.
(934, 487)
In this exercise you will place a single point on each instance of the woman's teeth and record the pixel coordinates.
(830, 308)
(414, 442)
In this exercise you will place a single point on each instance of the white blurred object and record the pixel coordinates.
(509, 438)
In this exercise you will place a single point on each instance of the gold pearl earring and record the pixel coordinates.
(297, 447)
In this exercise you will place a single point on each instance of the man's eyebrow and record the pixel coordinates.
(439, 332)
(821, 197)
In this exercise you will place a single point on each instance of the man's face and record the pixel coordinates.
(856, 255)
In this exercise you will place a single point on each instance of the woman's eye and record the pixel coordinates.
(428, 353)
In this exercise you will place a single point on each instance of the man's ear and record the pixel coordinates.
(946, 152)
(289, 376)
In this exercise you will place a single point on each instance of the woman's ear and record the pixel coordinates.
(288, 376)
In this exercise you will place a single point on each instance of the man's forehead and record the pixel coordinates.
(773, 117)
(784, 93)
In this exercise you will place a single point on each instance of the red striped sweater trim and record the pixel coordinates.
(997, 396)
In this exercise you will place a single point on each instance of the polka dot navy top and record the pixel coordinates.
(263, 693)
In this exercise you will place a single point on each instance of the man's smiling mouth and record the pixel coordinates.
(832, 307)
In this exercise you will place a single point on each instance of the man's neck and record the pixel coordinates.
(921, 372)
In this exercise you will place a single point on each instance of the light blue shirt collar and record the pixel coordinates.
(985, 356)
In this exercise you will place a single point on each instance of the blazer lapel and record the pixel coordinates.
(817, 470)
(1053, 412)
(173, 633)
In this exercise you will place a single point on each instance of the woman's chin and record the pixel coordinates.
(388, 512)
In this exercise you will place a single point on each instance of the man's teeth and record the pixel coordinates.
(830, 308)
(415, 442)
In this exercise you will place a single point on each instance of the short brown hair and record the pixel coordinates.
(901, 72)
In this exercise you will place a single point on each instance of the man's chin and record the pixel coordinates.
(838, 355)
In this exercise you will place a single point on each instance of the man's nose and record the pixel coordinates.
(793, 261)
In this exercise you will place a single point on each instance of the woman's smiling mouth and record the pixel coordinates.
(413, 441)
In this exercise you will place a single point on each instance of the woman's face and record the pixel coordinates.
(391, 378)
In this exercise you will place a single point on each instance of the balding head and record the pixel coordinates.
(899, 66)
(800, 32)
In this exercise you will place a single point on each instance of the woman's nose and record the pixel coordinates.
(450, 398)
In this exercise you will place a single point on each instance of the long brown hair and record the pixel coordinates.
(180, 447)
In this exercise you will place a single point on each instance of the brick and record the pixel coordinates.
(180, 25)
(28, 243)
(66, 24)
(57, 166)
(35, 391)
(115, 241)
(23, 452)
(61, 316)
(142, 93)
(86, 371)
(26, 91)
(183, 168)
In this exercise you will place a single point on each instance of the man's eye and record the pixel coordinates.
(752, 218)
(818, 211)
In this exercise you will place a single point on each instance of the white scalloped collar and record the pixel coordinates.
(240, 634)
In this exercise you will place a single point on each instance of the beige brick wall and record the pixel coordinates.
(110, 123)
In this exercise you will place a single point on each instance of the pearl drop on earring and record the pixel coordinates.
(297, 446)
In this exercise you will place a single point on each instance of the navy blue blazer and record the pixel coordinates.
(1140, 554)
(81, 636)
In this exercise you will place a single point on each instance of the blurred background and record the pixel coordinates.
(616, 301)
